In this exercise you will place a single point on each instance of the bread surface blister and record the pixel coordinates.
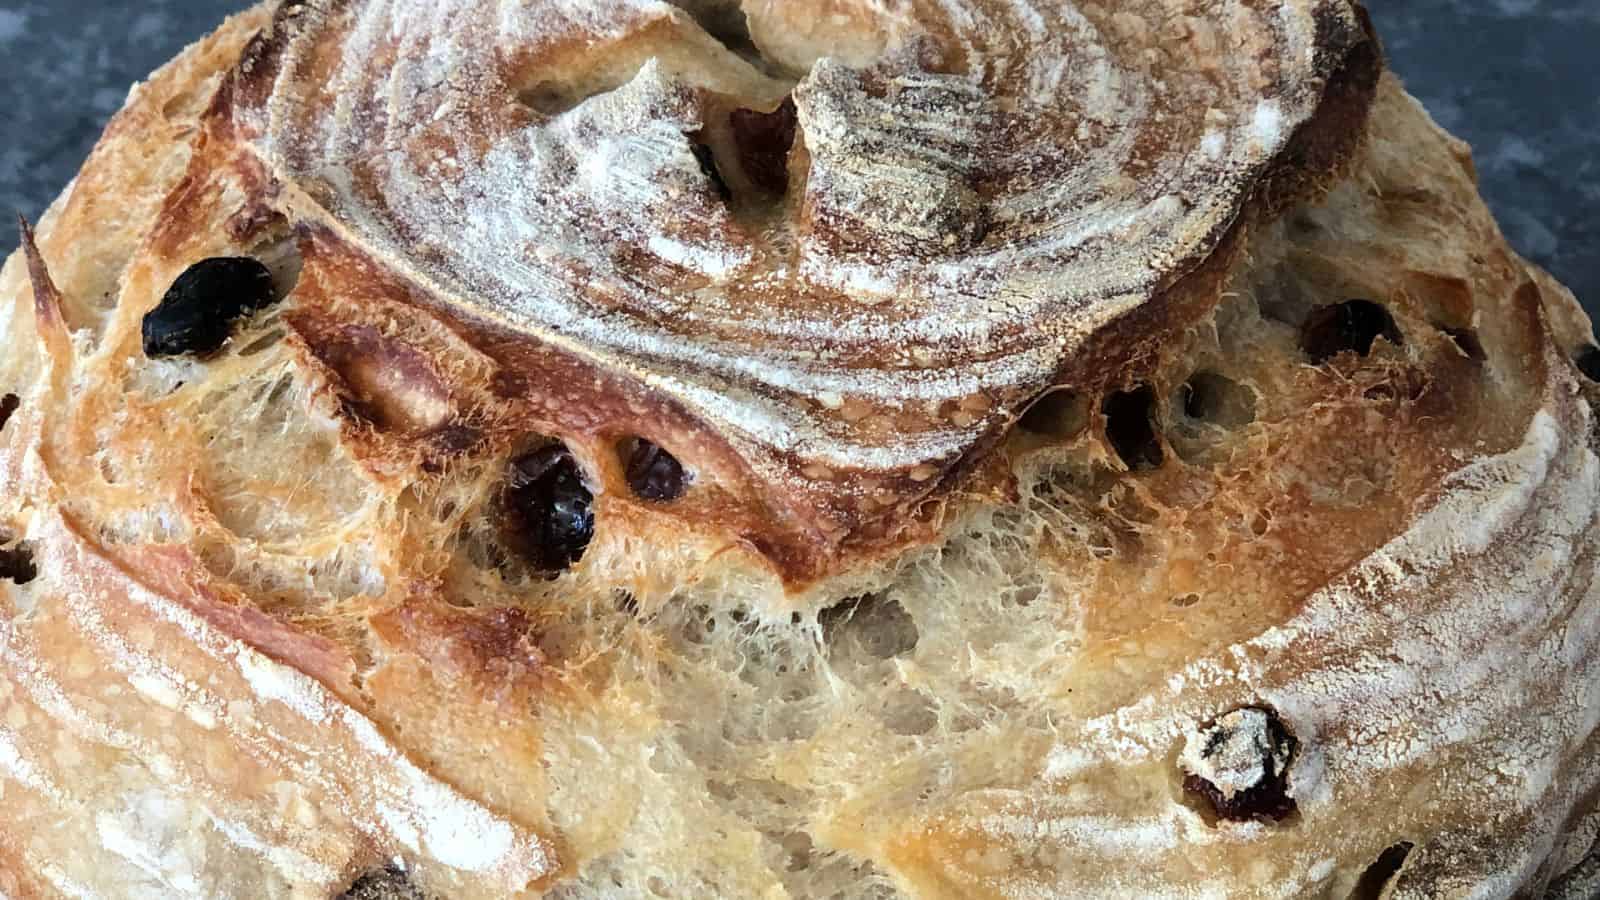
(846, 449)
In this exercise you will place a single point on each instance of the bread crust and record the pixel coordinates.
(276, 643)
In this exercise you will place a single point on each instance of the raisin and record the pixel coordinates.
(1239, 765)
(9, 404)
(655, 474)
(198, 313)
(1352, 326)
(551, 510)
(16, 564)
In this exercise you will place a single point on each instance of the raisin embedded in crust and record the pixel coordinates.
(550, 511)
(653, 473)
(198, 313)
(1239, 766)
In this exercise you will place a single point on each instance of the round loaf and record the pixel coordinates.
(792, 449)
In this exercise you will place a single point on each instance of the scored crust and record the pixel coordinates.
(1033, 444)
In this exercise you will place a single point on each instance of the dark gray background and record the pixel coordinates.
(1519, 79)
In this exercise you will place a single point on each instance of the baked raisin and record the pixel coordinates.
(551, 510)
(655, 474)
(199, 311)
(1239, 765)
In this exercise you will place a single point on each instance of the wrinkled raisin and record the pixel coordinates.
(198, 313)
(1239, 765)
(655, 474)
(551, 510)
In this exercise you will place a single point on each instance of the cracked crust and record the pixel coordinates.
(272, 640)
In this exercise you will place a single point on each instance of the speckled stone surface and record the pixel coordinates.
(1517, 78)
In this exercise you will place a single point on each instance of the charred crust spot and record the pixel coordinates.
(8, 407)
(1382, 871)
(764, 141)
(652, 472)
(16, 564)
(1349, 327)
(1131, 430)
(549, 509)
(708, 168)
(198, 313)
(388, 883)
(1588, 362)
(1237, 767)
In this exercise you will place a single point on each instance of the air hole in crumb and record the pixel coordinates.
(1466, 340)
(8, 406)
(549, 509)
(657, 886)
(874, 624)
(1349, 327)
(388, 883)
(764, 140)
(16, 564)
(1057, 414)
(263, 343)
(1218, 400)
(1588, 362)
(1261, 523)
(723, 20)
(1130, 427)
(1381, 872)
(708, 167)
(652, 472)
(909, 712)
(797, 847)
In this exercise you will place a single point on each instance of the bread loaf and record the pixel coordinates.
(803, 449)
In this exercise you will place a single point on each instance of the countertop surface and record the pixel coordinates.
(1515, 78)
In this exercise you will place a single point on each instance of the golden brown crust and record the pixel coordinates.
(278, 639)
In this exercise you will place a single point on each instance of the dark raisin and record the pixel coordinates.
(653, 473)
(16, 564)
(1351, 326)
(388, 883)
(708, 167)
(8, 405)
(551, 511)
(199, 311)
(764, 141)
(1239, 766)
(1130, 427)
(1588, 362)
